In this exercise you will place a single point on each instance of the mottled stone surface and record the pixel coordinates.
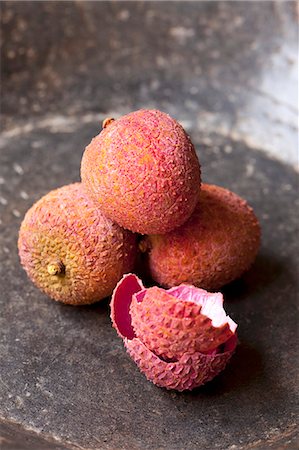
(66, 381)
(66, 373)
(225, 66)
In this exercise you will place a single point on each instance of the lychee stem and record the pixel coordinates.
(107, 122)
(144, 245)
(56, 268)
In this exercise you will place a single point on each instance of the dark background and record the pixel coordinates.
(228, 72)
(225, 66)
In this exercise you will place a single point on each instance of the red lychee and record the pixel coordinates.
(214, 247)
(143, 172)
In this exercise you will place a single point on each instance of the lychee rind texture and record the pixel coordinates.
(171, 326)
(189, 372)
(143, 172)
(214, 247)
(70, 250)
(180, 365)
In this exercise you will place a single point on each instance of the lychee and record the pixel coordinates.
(70, 250)
(214, 247)
(180, 338)
(143, 172)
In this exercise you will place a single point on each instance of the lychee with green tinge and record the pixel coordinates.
(214, 247)
(143, 172)
(70, 250)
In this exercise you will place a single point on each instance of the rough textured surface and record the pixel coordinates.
(143, 172)
(226, 69)
(190, 371)
(170, 327)
(70, 250)
(169, 334)
(214, 247)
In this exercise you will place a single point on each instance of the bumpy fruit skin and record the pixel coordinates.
(70, 250)
(171, 326)
(189, 372)
(142, 170)
(180, 338)
(214, 247)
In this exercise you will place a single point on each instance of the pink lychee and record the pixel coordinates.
(216, 245)
(143, 172)
(179, 338)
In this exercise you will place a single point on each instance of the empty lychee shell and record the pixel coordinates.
(183, 319)
(180, 338)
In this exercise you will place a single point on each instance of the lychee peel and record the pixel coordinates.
(189, 372)
(170, 326)
(217, 244)
(180, 338)
(70, 250)
(142, 170)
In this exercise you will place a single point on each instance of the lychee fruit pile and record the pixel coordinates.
(141, 208)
